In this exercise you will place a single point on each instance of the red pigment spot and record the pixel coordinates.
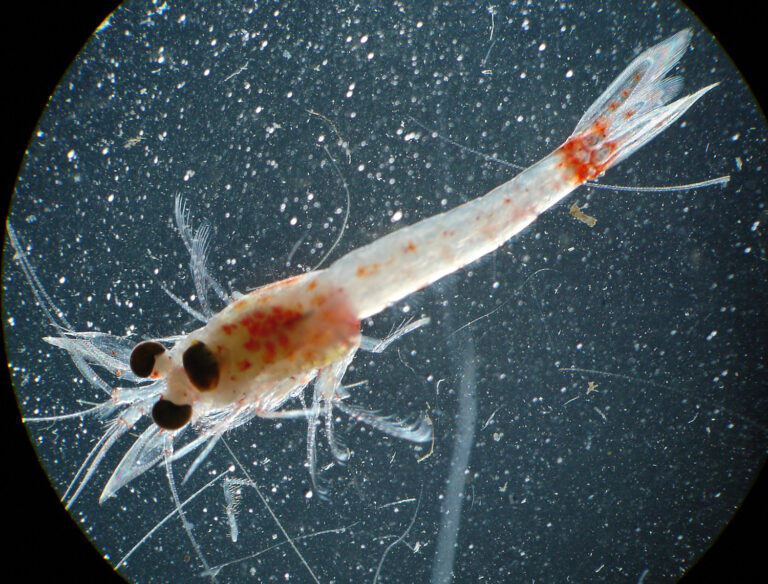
(252, 345)
(267, 328)
(228, 328)
(269, 352)
(278, 284)
(507, 200)
(244, 364)
(613, 105)
(364, 271)
(410, 247)
(581, 153)
(312, 285)
(625, 92)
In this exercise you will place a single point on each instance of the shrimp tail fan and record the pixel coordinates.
(634, 109)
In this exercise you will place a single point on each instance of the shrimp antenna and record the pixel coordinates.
(720, 180)
(346, 213)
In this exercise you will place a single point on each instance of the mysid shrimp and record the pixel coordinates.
(256, 357)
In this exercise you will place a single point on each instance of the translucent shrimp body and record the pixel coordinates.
(266, 347)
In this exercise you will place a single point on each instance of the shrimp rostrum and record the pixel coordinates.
(257, 356)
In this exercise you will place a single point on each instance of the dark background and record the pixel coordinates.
(39, 43)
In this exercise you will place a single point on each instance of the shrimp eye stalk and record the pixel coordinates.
(169, 416)
(143, 357)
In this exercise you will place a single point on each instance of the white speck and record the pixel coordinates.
(569, 74)
(206, 72)
(542, 47)
(71, 155)
(396, 216)
(735, 137)
(63, 280)
(293, 221)
(363, 39)
(711, 335)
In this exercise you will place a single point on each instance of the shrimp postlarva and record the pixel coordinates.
(256, 357)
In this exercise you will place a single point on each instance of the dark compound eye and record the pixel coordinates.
(169, 416)
(201, 366)
(143, 357)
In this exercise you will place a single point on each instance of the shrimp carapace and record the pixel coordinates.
(284, 330)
